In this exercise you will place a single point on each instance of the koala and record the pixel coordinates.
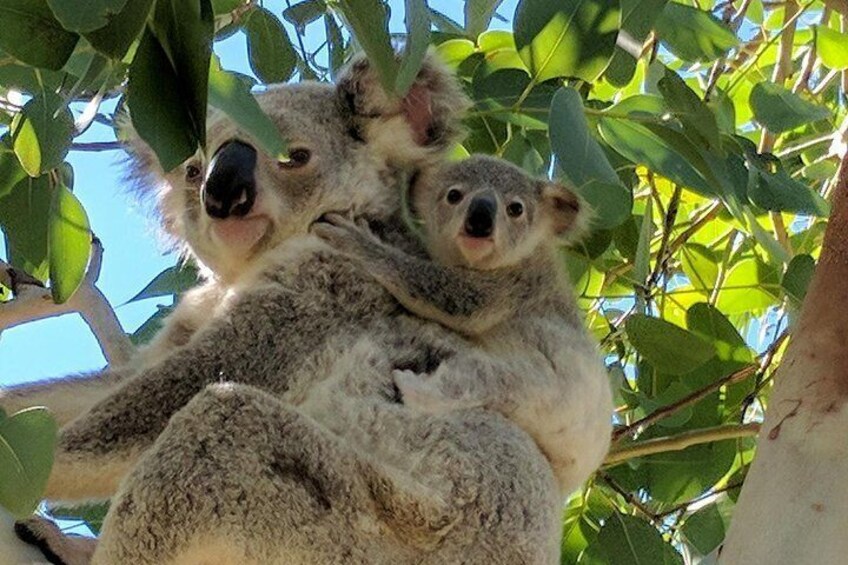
(492, 232)
(276, 434)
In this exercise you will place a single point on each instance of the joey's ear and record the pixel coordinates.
(569, 214)
(413, 129)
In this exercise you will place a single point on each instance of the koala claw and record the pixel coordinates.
(420, 394)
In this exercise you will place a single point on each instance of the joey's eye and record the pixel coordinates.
(454, 196)
(192, 173)
(297, 158)
(515, 209)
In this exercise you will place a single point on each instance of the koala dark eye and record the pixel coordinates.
(192, 173)
(297, 159)
(515, 209)
(454, 196)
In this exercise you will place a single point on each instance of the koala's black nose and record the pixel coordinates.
(230, 189)
(480, 218)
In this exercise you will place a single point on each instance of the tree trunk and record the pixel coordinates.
(794, 506)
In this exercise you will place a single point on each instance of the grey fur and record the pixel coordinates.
(274, 434)
(533, 356)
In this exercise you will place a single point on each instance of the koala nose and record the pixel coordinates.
(230, 189)
(480, 218)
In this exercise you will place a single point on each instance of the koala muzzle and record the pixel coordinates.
(230, 187)
(480, 217)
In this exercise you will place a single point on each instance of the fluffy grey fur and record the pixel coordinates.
(534, 361)
(276, 434)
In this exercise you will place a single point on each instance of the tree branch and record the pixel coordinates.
(34, 302)
(688, 400)
(618, 455)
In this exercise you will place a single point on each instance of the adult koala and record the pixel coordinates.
(274, 434)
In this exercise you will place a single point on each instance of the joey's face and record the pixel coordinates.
(233, 202)
(485, 213)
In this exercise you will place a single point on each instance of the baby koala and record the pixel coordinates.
(492, 233)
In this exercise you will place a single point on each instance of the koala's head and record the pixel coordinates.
(486, 213)
(352, 146)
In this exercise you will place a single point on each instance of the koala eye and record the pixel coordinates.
(297, 159)
(515, 209)
(192, 173)
(454, 196)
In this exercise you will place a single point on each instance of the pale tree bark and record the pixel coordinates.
(793, 508)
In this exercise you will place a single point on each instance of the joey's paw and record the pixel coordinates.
(56, 546)
(421, 394)
(346, 235)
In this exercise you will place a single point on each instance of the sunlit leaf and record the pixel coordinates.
(832, 47)
(68, 244)
(567, 38)
(693, 34)
(41, 140)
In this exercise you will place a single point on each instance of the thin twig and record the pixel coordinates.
(96, 146)
(662, 413)
(618, 455)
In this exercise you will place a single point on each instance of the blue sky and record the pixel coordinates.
(134, 253)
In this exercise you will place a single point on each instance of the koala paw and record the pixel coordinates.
(345, 235)
(56, 546)
(421, 394)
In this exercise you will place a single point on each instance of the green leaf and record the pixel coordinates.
(226, 6)
(700, 264)
(832, 47)
(115, 39)
(455, 51)
(706, 528)
(698, 120)
(659, 148)
(642, 259)
(779, 192)
(304, 13)
(11, 172)
(417, 40)
(478, 14)
(27, 440)
(41, 141)
(637, 20)
(798, 275)
(669, 348)
(369, 23)
(85, 15)
(151, 326)
(566, 38)
(270, 52)
(156, 107)
(233, 97)
(781, 110)
(749, 286)
(173, 280)
(708, 322)
(184, 29)
(23, 216)
(693, 34)
(68, 244)
(627, 540)
(584, 163)
(32, 34)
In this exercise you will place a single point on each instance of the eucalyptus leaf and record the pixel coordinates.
(32, 34)
(41, 134)
(567, 38)
(68, 244)
(86, 15)
(668, 347)
(832, 47)
(270, 52)
(693, 34)
(781, 110)
(27, 440)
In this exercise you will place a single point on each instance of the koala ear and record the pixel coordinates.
(410, 130)
(569, 214)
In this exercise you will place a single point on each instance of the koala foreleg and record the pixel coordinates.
(467, 301)
(239, 476)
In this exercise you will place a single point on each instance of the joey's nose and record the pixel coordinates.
(480, 218)
(230, 189)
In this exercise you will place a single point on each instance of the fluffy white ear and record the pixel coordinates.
(414, 129)
(569, 214)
